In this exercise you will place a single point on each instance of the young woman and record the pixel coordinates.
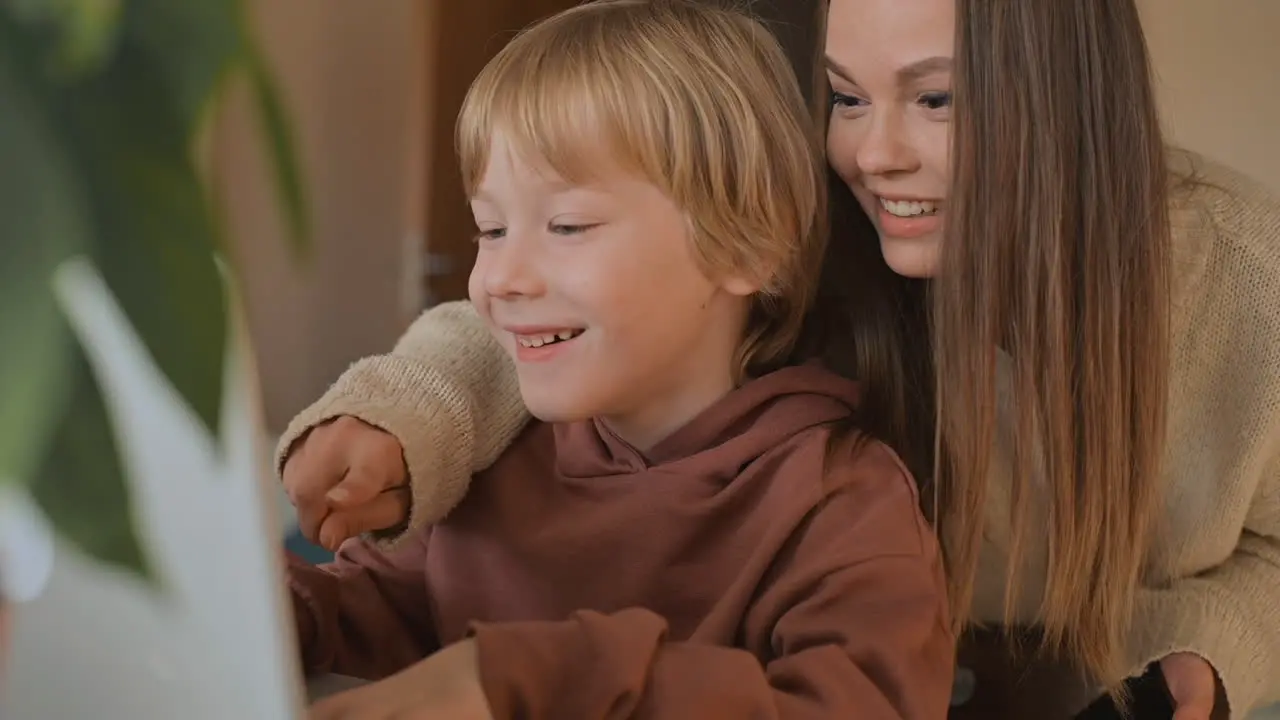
(1084, 323)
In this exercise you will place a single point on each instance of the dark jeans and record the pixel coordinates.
(1014, 684)
(1149, 700)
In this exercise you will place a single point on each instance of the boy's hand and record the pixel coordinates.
(445, 686)
(347, 477)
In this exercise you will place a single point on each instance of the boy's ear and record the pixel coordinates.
(741, 286)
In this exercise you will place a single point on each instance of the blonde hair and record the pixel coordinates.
(702, 103)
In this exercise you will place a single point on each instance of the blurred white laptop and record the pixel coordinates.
(215, 642)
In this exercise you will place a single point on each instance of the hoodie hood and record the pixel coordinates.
(738, 428)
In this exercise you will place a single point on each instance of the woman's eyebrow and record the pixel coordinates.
(908, 74)
(839, 69)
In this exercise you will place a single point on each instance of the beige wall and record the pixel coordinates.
(1218, 68)
(353, 77)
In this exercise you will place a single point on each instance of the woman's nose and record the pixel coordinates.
(885, 148)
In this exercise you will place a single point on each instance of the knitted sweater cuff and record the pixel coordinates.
(447, 392)
(1203, 618)
(423, 410)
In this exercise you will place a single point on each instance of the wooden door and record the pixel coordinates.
(468, 34)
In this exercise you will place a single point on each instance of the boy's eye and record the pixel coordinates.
(563, 229)
(490, 234)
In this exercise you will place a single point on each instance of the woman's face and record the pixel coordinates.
(889, 63)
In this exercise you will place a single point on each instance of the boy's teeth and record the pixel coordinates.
(908, 208)
(536, 341)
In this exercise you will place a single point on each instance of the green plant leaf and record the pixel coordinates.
(84, 31)
(193, 43)
(89, 33)
(87, 30)
(43, 223)
(280, 144)
(81, 485)
(155, 233)
(198, 44)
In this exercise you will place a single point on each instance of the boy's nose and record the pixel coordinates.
(510, 268)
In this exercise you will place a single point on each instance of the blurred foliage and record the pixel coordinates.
(101, 105)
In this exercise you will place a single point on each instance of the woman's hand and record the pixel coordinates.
(346, 477)
(1192, 683)
(445, 686)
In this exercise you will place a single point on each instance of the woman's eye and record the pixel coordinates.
(936, 100)
(844, 100)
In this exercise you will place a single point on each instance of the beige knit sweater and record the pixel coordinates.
(448, 392)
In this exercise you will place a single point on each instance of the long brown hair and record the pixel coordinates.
(1056, 254)
(868, 322)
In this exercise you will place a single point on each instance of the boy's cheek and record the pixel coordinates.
(475, 288)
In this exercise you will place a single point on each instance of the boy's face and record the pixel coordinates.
(596, 294)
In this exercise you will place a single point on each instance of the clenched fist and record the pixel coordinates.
(347, 477)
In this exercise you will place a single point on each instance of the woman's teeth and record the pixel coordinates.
(908, 208)
(536, 341)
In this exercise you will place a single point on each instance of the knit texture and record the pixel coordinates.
(1218, 547)
(1222, 535)
(449, 394)
(1220, 539)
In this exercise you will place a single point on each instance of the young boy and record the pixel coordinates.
(684, 532)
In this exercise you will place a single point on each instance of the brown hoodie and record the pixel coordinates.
(748, 567)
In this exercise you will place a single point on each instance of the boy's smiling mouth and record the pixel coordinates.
(536, 343)
(540, 339)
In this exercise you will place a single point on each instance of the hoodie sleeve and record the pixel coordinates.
(367, 613)
(852, 623)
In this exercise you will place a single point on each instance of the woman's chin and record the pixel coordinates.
(913, 257)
